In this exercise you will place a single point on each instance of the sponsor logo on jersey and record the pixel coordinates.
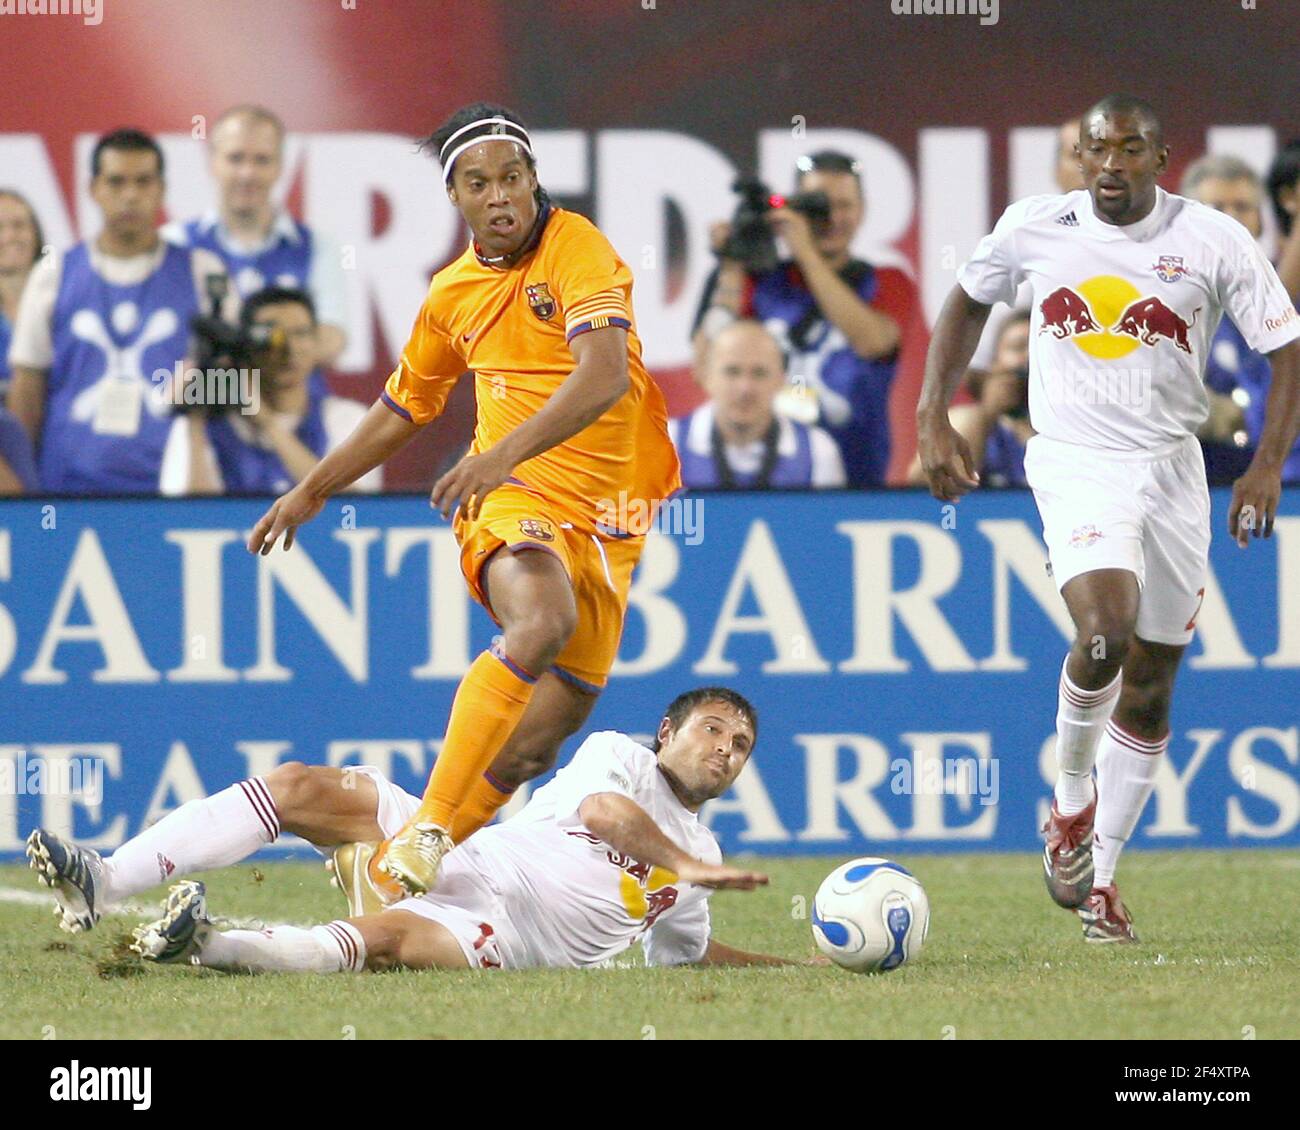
(537, 529)
(1081, 537)
(1271, 324)
(1065, 312)
(1149, 320)
(486, 950)
(540, 301)
(1069, 220)
(1169, 268)
(1108, 317)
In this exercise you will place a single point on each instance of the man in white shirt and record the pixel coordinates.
(101, 327)
(1069, 178)
(261, 244)
(611, 851)
(1129, 283)
(737, 440)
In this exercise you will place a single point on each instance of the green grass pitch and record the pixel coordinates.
(1220, 959)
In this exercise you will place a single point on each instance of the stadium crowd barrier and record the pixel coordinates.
(903, 657)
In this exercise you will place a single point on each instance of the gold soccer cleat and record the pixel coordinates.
(352, 874)
(414, 856)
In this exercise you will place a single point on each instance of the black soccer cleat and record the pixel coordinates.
(180, 932)
(73, 873)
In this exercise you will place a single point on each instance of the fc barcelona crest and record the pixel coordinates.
(537, 529)
(1169, 268)
(540, 300)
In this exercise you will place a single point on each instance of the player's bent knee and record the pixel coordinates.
(537, 640)
(1106, 640)
(294, 787)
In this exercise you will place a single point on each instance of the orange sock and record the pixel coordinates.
(391, 888)
(488, 705)
(480, 806)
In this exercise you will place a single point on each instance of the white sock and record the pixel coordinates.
(200, 835)
(1126, 773)
(336, 947)
(1080, 718)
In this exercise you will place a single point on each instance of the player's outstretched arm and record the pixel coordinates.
(628, 828)
(1256, 494)
(945, 456)
(718, 954)
(379, 436)
(597, 383)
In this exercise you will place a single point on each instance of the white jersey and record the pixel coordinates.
(1123, 316)
(568, 898)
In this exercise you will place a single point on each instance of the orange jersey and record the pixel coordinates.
(512, 327)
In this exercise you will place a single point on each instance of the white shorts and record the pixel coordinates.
(463, 902)
(1145, 511)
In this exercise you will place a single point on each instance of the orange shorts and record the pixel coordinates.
(599, 569)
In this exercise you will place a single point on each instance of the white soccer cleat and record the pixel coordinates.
(73, 873)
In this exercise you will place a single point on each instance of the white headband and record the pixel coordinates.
(491, 129)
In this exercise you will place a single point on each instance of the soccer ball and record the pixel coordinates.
(870, 916)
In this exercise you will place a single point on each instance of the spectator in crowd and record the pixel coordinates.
(295, 423)
(996, 425)
(263, 245)
(838, 319)
(20, 247)
(1284, 192)
(1236, 377)
(737, 441)
(1068, 175)
(97, 323)
(17, 464)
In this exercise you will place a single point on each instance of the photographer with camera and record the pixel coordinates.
(839, 319)
(94, 325)
(996, 425)
(270, 441)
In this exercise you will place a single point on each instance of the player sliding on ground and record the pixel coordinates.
(610, 851)
(1129, 284)
(571, 433)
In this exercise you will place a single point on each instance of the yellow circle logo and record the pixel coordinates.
(1108, 296)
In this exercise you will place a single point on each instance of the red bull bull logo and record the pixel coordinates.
(1064, 313)
(1107, 317)
(1149, 320)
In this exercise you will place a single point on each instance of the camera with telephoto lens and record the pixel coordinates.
(222, 350)
(751, 241)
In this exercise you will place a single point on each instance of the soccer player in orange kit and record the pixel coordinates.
(539, 307)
